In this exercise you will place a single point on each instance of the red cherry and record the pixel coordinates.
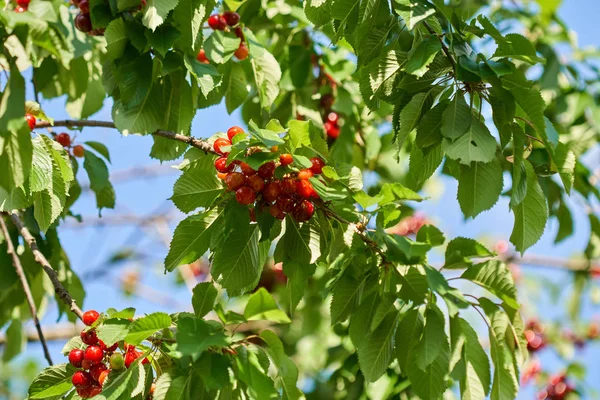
(305, 174)
(219, 144)
(327, 101)
(23, 3)
(86, 365)
(234, 130)
(93, 355)
(276, 212)
(239, 32)
(89, 337)
(31, 121)
(83, 22)
(242, 52)
(217, 22)
(231, 18)
(288, 186)
(221, 165)
(333, 117)
(102, 377)
(96, 370)
(304, 189)
(286, 159)
(64, 139)
(81, 379)
(246, 169)
(20, 9)
(78, 151)
(266, 170)
(245, 195)
(317, 165)
(131, 356)
(89, 392)
(76, 357)
(333, 131)
(84, 6)
(285, 203)
(91, 316)
(304, 211)
(202, 57)
(235, 180)
(256, 182)
(271, 191)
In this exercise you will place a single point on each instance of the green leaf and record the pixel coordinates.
(362, 318)
(424, 162)
(434, 337)
(98, 174)
(156, 11)
(423, 55)
(461, 250)
(533, 105)
(479, 187)
(208, 76)
(505, 383)
(144, 327)
(162, 39)
(267, 72)
(49, 203)
(145, 117)
(52, 381)
(410, 117)
(518, 47)
(475, 385)
(100, 148)
(530, 215)
(414, 285)
(198, 186)
(431, 235)
(565, 162)
(408, 334)
(116, 38)
(125, 384)
(496, 278)
(113, 330)
(477, 144)
(203, 298)
(413, 11)
(431, 383)
(345, 297)
(236, 87)
(300, 243)
(262, 306)
(15, 341)
(456, 119)
(429, 130)
(220, 46)
(318, 11)
(376, 351)
(287, 371)
(189, 16)
(378, 76)
(194, 336)
(237, 266)
(268, 137)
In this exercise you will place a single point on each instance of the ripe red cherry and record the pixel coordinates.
(23, 3)
(246, 169)
(276, 212)
(235, 180)
(272, 191)
(64, 139)
(242, 52)
(304, 189)
(256, 182)
(106, 349)
(117, 362)
(304, 211)
(333, 117)
(305, 174)
(232, 18)
(202, 57)
(93, 355)
(219, 144)
(286, 159)
(84, 6)
(266, 170)
(245, 195)
(327, 101)
(217, 22)
(89, 337)
(96, 370)
(133, 355)
(86, 365)
(76, 357)
(102, 377)
(288, 186)
(91, 316)
(78, 151)
(285, 203)
(83, 22)
(31, 121)
(20, 9)
(81, 379)
(333, 131)
(89, 392)
(221, 165)
(234, 130)
(317, 165)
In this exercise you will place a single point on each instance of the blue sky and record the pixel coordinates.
(88, 248)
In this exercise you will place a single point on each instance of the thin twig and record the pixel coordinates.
(444, 47)
(39, 257)
(28, 296)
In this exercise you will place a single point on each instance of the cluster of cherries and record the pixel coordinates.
(65, 140)
(221, 22)
(557, 389)
(534, 334)
(22, 5)
(289, 195)
(92, 362)
(83, 20)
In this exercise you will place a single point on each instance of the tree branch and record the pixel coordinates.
(190, 140)
(21, 274)
(444, 47)
(39, 257)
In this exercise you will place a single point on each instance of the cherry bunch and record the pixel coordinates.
(22, 5)
(65, 140)
(557, 389)
(534, 334)
(97, 360)
(221, 22)
(291, 194)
